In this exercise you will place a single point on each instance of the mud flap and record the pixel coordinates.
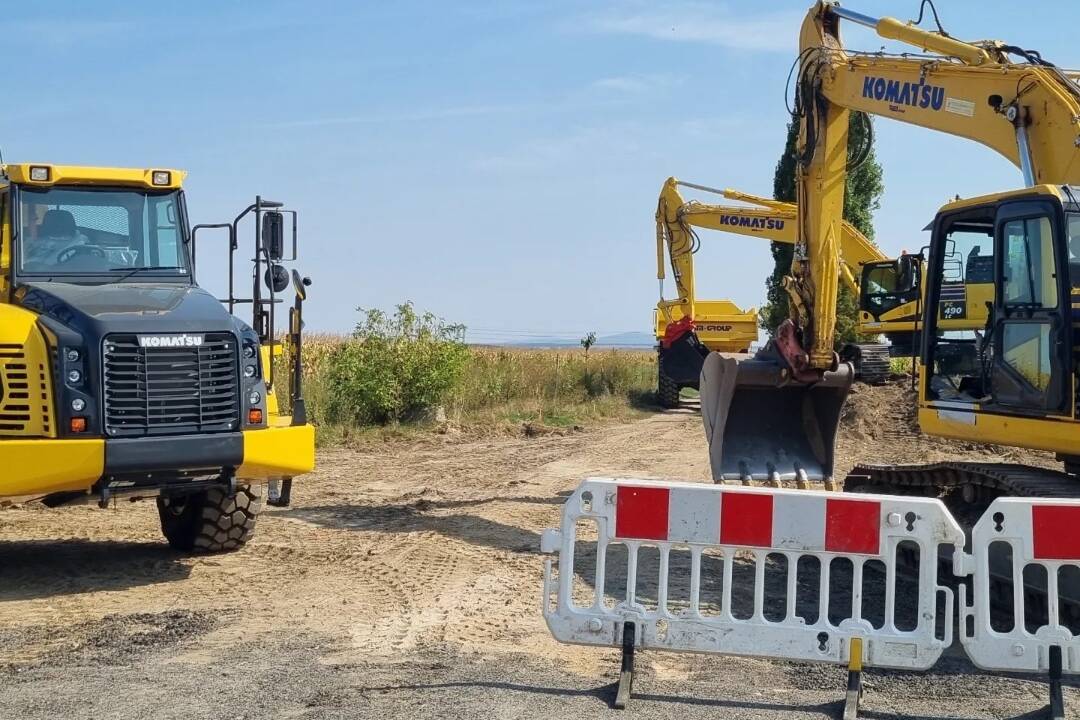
(761, 426)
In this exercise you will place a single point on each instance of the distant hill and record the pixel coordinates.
(618, 340)
(627, 339)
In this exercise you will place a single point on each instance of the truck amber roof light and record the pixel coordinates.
(39, 173)
(161, 177)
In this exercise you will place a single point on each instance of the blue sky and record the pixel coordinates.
(495, 162)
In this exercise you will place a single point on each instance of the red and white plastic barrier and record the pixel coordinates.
(1030, 535)
(1023, 614)
(815, 522)
(759, 524)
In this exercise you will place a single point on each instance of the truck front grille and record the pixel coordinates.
(170, 390)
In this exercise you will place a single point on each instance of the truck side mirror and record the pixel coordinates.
(300, 285)
(273, 235)
(276, 278)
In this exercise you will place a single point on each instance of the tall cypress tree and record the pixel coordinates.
(861, 198)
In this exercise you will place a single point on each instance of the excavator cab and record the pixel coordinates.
(1002, 384)
(888, 284)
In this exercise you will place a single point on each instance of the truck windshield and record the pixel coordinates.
(68, 231)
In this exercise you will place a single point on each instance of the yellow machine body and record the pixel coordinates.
(47, 466)
(720, 325)
(980, 387)
(1028, 363)
(41, 457)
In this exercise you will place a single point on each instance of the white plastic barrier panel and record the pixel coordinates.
(786, 569)
(1030, 550)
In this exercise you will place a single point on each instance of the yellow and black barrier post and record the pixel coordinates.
(854, 680)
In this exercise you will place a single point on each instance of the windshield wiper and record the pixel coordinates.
(135, 271)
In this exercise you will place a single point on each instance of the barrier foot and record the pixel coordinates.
(854, 681)
(1057, 700)
(626, 674)
(279, 493)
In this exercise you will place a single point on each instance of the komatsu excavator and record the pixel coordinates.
(1016, 382)
(868, 273)
(121, 378)
(689, 328)
(888, 289)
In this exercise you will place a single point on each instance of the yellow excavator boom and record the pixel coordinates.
(993, 93)
(882, 309)
(772, 220)
(1029, 112)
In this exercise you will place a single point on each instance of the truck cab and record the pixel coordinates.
(120, 377)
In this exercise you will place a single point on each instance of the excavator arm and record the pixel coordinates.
(1028, 111)
(776, 416)
(772, 220)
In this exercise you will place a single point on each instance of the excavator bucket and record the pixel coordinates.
(762, 426)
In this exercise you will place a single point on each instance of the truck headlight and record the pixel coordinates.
(78, 404)
(254, 398)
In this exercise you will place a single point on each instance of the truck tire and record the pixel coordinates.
(667, 390)
(211, 521)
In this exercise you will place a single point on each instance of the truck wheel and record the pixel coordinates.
(211, 521)
(667, 390)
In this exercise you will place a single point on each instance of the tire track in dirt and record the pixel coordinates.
(396, 547)
(410, 549)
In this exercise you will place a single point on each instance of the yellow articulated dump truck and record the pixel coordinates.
(120, 377)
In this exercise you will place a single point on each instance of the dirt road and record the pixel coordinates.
(404, 583)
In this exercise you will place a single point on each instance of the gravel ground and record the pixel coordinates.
(287, 675)
(405, 583)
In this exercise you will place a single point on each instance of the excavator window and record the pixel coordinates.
(1019, 362)
(958, 355)
(884, 287)
(1027, 371)
(1073, 226)
(1029, 277)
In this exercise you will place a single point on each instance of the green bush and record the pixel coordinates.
(393, 366)
(397, 366)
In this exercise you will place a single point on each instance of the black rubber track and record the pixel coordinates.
(872, 364)
(985, 481)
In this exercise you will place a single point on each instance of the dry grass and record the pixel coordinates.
(506, 387)
(552, 386)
